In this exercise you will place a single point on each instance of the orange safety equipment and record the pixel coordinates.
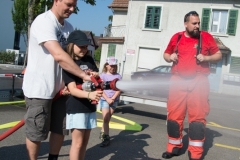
(187, 95)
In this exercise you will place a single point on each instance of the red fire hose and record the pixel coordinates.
(21, 123)
(12, 130)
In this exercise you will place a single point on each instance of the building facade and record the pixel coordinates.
(141, 31)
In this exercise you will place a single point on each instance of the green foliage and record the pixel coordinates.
(21, 7)
(110, 18)
(97, 54)
(20, 16)
(7, 57)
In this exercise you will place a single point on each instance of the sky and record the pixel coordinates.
(92, 18)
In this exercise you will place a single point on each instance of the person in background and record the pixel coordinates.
(110, 98)
(190, 51)
(81, 113)
(43, 77)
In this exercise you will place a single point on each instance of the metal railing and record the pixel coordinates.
(114, 31)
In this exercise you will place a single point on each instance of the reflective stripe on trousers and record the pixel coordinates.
(196, 144)
(179, 141)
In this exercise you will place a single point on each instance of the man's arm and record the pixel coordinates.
(64, 60)
(211, 58)
(170, 57)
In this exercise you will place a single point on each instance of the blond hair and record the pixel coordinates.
(104, 70)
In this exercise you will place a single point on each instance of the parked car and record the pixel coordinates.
(155, 81)
(162, 72)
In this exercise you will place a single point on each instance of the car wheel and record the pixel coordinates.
(140, 78)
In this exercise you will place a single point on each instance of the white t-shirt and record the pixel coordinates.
(43, 76)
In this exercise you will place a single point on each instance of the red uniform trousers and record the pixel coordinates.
(188, 95)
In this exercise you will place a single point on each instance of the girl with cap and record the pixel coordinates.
(81, 114)
(109, 99)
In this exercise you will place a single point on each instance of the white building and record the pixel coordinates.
(141, 30)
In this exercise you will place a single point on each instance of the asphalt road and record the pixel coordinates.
(222, 134)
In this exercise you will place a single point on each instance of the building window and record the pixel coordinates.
(153, 15)
(111, 50)
(235, 65)
(221, 21)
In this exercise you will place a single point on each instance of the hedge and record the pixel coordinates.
(7, 57)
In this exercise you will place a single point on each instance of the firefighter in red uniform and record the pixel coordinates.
(190, 51)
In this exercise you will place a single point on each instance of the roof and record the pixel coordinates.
(221, 46)
(89, 33)
(98, 42)
(119, 4)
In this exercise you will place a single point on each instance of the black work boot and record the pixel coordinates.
(106, 141)
(168, 155)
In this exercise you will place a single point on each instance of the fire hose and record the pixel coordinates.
(93, 85)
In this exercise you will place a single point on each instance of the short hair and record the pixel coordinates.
(191, 13)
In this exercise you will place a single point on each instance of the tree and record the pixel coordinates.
(110, 18)
(97, 54)
(25, 11)
(19, 17)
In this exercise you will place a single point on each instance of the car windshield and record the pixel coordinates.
(162, 69)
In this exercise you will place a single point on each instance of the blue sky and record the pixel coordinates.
(92, 18)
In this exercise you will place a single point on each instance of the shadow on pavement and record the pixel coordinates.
(125, 145)
(19, 152)
(131, 110)
(210, 135)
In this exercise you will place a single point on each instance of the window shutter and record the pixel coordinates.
(111, 50)
(232, 22)
(153, 17)
(156, 19)
(149, 14)
(235, 65)
(205, 19)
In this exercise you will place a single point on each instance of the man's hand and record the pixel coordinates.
(209, 58)
(174, 57)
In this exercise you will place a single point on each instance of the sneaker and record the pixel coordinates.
(106, 141)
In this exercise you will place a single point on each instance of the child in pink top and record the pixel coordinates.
(109, 99)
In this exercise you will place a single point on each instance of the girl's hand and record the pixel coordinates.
(88, 71)
(110, 101)
(96, 95)
(94, 74)
(65, 91)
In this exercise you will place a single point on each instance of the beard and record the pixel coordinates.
(194, 33)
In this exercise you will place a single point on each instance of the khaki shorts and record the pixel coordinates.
(37, 118)
(43, 116)
(58, 116)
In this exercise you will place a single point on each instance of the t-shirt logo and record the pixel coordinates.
(83, 67)
(195, 45)
(62, 39)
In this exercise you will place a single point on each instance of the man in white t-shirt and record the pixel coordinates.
(43, 76)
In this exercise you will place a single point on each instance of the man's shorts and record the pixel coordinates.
(37, 118)
(81, 121)
(104, 104)
(58, 116)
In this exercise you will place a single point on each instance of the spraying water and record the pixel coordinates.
(150, 87)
